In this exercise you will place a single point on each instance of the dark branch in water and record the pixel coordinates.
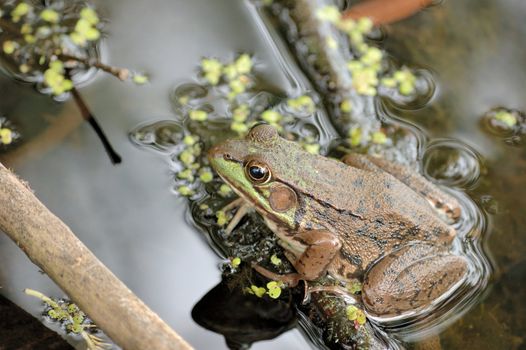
(88, 116)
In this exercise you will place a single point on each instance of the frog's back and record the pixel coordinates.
(373, 213)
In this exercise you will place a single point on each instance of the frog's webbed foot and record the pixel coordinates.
(290, 279)
(243, 208)
(441, 201)
(411, 278)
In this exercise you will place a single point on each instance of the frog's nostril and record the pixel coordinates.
(227, 156)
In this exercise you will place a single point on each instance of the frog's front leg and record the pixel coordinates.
(411, 278)
(321, 246)
(438, 199)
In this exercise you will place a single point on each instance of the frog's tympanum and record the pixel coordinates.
(363, 218)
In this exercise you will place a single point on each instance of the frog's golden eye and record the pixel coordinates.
(257, 172)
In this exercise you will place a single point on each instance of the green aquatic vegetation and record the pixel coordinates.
(8, 134)
(235, 262)
(302, 104)
(379, 137)
(225, 190)
(356, 315)
(355, 287)
(222, 218)
(257, 291)
(274, 289)
(506, 118)
(368, 67)
(44, 44)
(275, 260)
(404, 80)
(234, 77)
(198, 115)
(51, 44)
(72, 319)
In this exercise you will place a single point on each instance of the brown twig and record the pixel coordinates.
(386, 11)
(120, 73)
(53, 247)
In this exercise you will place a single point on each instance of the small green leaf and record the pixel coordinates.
(275, 260)
(140, 79)
(50, 15)
(198, 115)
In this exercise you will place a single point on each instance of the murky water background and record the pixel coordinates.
(134, 224)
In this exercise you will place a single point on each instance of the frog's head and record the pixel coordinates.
(255, 167)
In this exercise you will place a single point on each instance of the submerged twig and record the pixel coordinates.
(90, 118)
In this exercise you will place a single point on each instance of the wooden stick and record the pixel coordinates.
(386, 11)
(53, 247)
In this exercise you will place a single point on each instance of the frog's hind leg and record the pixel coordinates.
(411, 178)
(411, 278)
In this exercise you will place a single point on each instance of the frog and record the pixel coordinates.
(359, 218)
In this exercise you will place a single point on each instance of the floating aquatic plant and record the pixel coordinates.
(8, 134)
(71, 319)
(55, 44)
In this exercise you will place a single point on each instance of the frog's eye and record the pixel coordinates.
(257, 172)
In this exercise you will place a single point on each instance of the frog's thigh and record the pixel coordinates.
(410, 178)
(410, 278)
(321, 248)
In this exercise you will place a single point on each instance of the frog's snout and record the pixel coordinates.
(219, 152)
(215, 151)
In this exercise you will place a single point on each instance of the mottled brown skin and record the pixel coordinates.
(365, 218)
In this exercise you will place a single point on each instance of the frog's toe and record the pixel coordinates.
(410, 279)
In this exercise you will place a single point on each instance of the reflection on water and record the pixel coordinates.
(135, 225)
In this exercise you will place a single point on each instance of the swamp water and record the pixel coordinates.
(132, 222)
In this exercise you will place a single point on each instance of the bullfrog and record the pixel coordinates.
(362, 218)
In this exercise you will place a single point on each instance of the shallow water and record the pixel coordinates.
(151, 251)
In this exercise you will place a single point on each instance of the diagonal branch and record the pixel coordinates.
(53, 247)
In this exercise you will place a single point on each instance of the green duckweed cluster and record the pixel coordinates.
(355, 137)
(218, 78)
(43, 43)
(234, 76)
(506, 118)
(7, 134)
(71, 318)
(368, 68)
(355, 314)
(272, 289)
(510, 124)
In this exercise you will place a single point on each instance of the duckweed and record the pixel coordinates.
(198, 115)
(506, 118)
(225, 190)
(235, 262)
(302, 103)
(71, 318)
(275, 260)
(274, 289)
